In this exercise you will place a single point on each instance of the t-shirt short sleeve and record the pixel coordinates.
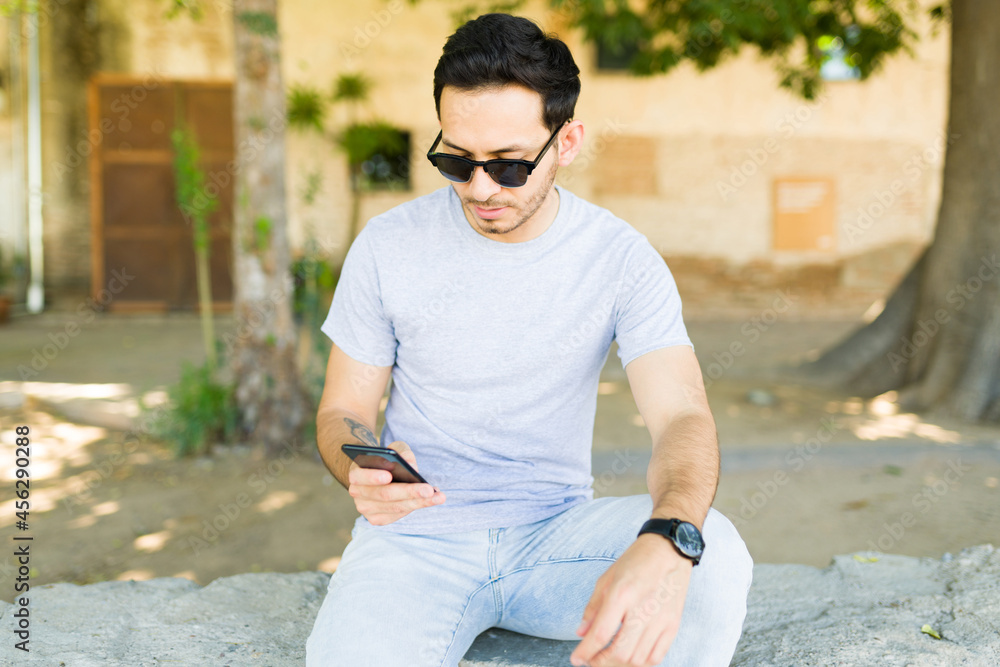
(648, 312)
(357, 322)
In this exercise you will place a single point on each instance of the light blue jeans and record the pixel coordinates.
(421, 600)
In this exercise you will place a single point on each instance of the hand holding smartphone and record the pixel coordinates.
(384, 458)
(383, 501)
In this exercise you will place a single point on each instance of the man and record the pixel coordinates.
(492, 303)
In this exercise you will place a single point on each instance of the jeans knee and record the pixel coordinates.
(723, 537)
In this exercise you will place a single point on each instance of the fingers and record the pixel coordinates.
(380, 512)
(382, 501)
(601, 630)
(596, 600)
(367, 476)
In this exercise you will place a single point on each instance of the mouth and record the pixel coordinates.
(489, 213)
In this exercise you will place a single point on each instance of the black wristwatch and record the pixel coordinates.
(685, 536)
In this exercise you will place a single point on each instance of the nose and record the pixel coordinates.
(482, 187)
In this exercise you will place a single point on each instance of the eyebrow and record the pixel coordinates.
(508, 149)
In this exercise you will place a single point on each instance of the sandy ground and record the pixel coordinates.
(807, 473)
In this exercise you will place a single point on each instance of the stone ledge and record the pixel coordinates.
(849, 613)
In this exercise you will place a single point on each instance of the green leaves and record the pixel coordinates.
(351, 88)
(201, 411)
(262, 233)
(259, 23)
(928, 630)
(790, 32)
(306, 108)
(361, 141)
(191, 191)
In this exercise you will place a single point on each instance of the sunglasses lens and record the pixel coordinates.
(454, 170)
(508, 175)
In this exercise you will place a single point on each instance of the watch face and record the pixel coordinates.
(688, 539)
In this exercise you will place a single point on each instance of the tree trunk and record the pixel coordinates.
(272, 403)
(938, 339)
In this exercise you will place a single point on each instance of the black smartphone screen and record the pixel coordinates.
(383, 458)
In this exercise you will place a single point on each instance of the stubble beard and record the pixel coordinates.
(529, 208)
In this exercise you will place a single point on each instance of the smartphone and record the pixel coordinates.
(384, 458)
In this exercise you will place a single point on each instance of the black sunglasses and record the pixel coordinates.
(507, 173)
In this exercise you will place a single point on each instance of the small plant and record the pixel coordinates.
(306, 108)
(201, 411)
(314, 280)
(196, 205)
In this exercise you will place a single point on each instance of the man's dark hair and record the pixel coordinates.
(497, 50)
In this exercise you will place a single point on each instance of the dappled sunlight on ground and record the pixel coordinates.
(105, 508)
(152, 541)
(69, 390)
(329, 565)
(795, 413)
(905, 425)
(276, 500)
(606, 388)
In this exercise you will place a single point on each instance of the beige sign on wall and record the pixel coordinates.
(804, 213)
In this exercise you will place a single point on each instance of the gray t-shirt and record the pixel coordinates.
(497, 348)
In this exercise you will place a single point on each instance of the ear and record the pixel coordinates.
(570, 142)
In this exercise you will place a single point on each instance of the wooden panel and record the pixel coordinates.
(137, 116)
(222, 268)
(213, 130)
(155, 270)
(140, 195)
(804, 214)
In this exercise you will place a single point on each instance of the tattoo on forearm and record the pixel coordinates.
(361, 432)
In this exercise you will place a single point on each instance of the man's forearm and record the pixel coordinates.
(335, 428)
(683, 471)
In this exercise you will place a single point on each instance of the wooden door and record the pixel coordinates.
(137, 228)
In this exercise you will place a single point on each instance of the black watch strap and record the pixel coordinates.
(690, 544)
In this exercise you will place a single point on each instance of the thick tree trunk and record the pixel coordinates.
(938, 339)
(272, 403)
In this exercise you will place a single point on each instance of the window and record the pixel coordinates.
(387, 164)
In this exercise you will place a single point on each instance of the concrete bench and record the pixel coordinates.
(854, 612)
